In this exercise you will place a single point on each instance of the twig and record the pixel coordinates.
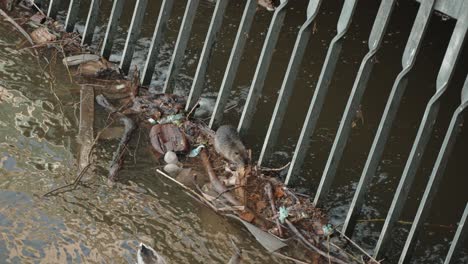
(269, 192)
(308, 244)
(192, 192)
(18, 27)
(193, 109)
(275, 169)
(356, 245)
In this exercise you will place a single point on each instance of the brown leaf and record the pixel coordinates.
(260, 205)
(247, 216)
(279, 192)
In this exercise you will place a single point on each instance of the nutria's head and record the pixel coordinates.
(268, 4)
(147, 255)
(239, 155)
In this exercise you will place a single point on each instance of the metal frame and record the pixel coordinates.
(233, 63)
(114, 20)
(199, 79)
(91, 20)
(413, 45)
(262, 67)
(425, 129)
(133, 35)
(436, 176)
(72, 15)
(158, 35)
(181, 44)
(459, 237)
(291, 75)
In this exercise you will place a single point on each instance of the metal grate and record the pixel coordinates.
(457, 9)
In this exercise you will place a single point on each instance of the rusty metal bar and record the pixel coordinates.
(133, 35)
(112, 25)
(375, 39)
(72, 15)
(158, 35)
(181, 44)
(413, 45)
(460, 236)
(425, 129)
(91, 22)
(262, 67)
(233, 63)
(199, 79)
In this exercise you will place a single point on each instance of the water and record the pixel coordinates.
(97, 223)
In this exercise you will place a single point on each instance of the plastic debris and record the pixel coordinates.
(172, 169)
(171, 158)
(79, 59)
(152, 121)
(328, 229)
(267, 240)
(194, 152)
(171, 119)
(283, 214)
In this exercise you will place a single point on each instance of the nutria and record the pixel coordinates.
(228, 143)
(147, 255)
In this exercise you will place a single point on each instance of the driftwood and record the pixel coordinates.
(117, 159)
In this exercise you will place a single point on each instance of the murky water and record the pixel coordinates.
(101, 224)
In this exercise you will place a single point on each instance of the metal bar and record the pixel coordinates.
(53, 8)
(459, 237)
(72, 15)
(425, 129)
(199, 79)
(158, 35)
(291, 74)
(91, 22)
(133, 35)
(262, 67)
(233, 63)
(375, 38)
(435, 178)
(112, 26)
(409, 56)
(181, 44)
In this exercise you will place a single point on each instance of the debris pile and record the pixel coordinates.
(231, 185)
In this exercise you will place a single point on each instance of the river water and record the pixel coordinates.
(98, 223)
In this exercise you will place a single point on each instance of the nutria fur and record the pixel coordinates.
(228, 143)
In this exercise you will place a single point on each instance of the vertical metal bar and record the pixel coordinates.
(425, 128)
(158, 35)
(112, 25)
(72, 15)
(435, 178)
(409, 56)
(181, 44)
(53, 8)
(133, 35)
(459, 237)
(375, 38)
(199, 79)
(293, 68)
(91, 22)
(262, 67)
(233, 63)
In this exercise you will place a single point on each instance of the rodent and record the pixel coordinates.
(228, 143)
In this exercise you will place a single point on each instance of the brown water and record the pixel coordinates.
(97, 223)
